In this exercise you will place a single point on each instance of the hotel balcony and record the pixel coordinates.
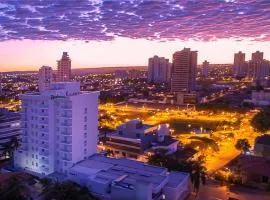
(66, 159)
(44, 121)
(66, 132)
(65, 142)
(66, 115)
(44, 153)
(44, 137)
(43, 113)
(66, 124)
(67, 149)
(66, 107)
(44, 161)
(43, 106)
(45, 146)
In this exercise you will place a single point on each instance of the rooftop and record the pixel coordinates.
(126, 173)
(255, 164)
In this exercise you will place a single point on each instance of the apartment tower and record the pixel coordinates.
(184, 71)
(158, 70)
(45, 76)
(64, 68)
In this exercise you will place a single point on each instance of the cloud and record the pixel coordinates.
(154, 20)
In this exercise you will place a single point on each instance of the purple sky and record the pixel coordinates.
(109, 33)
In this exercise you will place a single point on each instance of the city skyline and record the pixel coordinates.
(120, 31)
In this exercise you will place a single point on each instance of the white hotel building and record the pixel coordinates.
(59, 128)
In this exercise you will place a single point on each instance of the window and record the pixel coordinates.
(85, 143)
(120, 132)
(138, 135)
(85, 110)
(85, 119)
(85, 127)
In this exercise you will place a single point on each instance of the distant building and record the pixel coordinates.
(121, 74)
(259, 98)
(9, 127)
(184, 71)
(121, 179)
(59, 128)
(158, 70)
(258, 68)
(45, 77)
(205, 69)
(64, 68)
(134, 139)
(239, 65)
(262, 146)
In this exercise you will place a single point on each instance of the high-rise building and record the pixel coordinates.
(44, 78)
(64, 68)
(59, 128)
(239, 65)
(184, 71)
(258, 68)
(205, 69)
(158, 69)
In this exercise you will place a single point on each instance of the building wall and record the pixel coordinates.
(184, 71)
(54, 133)
(158, 70)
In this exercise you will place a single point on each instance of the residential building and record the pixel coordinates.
(262, 146)
(158, 70)
(121, 179)
(258, 68)
(9, 127)
(59, 128)
(45, 75)
(239, 65)
(184, 71)
(259, 97)
(135, 139)
(254, 171)
(205, 69)
(64, 68)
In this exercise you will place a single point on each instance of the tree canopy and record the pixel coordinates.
(261, 121)
(242, 145)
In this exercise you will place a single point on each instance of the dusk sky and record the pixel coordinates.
(125, 33)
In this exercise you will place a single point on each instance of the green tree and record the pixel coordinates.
(196, 169)
(261, 121)
(65, 191)
(242, 145)
(14, 189)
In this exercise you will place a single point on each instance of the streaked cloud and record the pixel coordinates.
(154, 20)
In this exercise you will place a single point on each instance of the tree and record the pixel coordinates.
(14, 189)
(65, 191)
(196, 169)
(242, 145)
(261, 121)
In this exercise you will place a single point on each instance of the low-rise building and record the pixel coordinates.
(9, 127)
(262, 146)
(121, 179)
(134, 139)
(254, 171)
